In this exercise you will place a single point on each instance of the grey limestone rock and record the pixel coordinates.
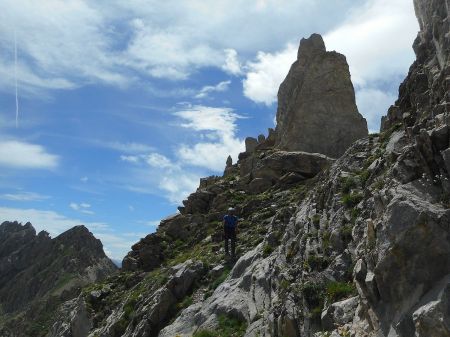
(317, 111)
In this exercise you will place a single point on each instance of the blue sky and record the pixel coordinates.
(123, 106)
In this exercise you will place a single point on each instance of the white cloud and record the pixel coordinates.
(219, 126)
(265, 74)
(151, 223)
(178, 186)
(214, 138)
(232, 64)
(84, 179)
(66, 44)
(50, 221)
(22, 155)
(377, 39)
(167, 53)
(374, 103)
(117, 245)
(206, 90)
(125, 147)
(130, 159)
(159, 161)
(60, 45)
(82, 208)
(153, 159)
(24, 196)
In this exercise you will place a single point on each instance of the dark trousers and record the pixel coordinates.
(230, 235)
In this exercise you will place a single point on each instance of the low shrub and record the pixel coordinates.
(336, 291)
(347, 184)
(350, 200)
(267, 250)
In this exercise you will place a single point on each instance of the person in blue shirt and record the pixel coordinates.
(230, 226)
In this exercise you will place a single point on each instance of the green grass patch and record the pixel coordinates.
(219, 280)
(336, 291)
(364, 176)
(316, 219)
(317, 262)
(187, 301)
(204, 333)
(348, 183)
(352, 199)
(228, 327)
(267, 250)
(346, 233)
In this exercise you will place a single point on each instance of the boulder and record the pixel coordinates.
(277, 164)
(433, 317)
(259, 185)
(339, 313)
(316, 103)
(147, 254)
(183, 277)
(440, 137)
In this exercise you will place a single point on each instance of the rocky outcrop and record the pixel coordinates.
(38, 272)
(151, 310)
(316, 103)
(424, 95)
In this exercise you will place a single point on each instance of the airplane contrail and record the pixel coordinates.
(15, 76)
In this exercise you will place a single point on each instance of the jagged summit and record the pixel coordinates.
(317, 110)
(312, 45)
(38, 272)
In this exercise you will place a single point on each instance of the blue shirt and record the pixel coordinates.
(230, 221)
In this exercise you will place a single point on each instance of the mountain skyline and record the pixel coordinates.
(123, 109)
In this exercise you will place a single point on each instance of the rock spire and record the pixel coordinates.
(317, 111)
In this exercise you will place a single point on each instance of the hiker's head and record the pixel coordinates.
(231, 210)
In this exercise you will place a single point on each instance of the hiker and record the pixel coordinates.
(230, 224)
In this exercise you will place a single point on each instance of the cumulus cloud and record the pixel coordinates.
(23, 155)
(178, 186)
(218, 126)
(219, 87)
(173, 181)
(376, 39)
(374, 103)
(265, 74)
(213, 138)
(232, 64)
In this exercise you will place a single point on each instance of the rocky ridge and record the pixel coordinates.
(358, 246)
(37, 273)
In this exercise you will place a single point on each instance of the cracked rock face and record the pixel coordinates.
(316, 103)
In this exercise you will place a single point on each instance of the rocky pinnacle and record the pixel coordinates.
(317, 111)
